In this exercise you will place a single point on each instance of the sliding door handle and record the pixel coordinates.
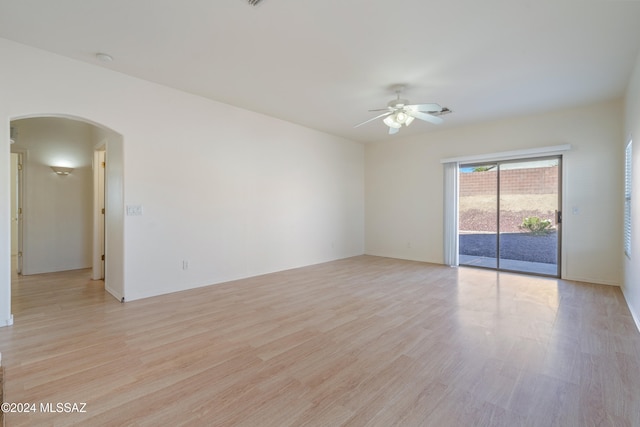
(558, 217)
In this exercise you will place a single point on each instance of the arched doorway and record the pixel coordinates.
(59, 209)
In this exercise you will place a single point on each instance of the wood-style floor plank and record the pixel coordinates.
(365, 341)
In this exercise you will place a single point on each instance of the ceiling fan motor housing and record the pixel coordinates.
(398, 103)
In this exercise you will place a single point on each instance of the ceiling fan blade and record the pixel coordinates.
(393, 130)
(425, 107)
(381, 109)
(426, 117)
(373, 118)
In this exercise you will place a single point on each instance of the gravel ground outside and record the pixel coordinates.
(516, 246)
(477, 224)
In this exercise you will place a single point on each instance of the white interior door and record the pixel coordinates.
(98, 215)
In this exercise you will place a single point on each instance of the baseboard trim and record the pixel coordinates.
(634, 315)
(592, 281)
(113, 293)
(7, 322)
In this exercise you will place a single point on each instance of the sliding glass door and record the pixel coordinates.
(509, 215)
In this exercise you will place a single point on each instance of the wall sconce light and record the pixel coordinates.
(61, 170)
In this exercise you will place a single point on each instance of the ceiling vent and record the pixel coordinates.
(253, 2)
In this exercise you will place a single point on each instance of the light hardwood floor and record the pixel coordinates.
(362, 341)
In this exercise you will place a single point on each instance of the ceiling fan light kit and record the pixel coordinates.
(392, 122)
(400, 112)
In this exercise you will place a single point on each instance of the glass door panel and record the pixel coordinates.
(478, 215)
(529, 203)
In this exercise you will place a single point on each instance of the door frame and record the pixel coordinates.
(19, 193)
(20, 177)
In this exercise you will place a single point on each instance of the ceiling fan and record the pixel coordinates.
(399, 112)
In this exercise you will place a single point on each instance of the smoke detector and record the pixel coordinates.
(104, 57)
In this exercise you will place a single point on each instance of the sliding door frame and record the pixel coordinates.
(558, 212)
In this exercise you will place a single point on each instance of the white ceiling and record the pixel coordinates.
(324, 63)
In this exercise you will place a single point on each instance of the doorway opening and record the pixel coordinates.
(509, 215)
(68, 219)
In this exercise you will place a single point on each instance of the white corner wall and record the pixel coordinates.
(631, 286)
(57, 209)
(404, 186)
(232, 192)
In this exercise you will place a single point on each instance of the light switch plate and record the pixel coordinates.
(134, 210)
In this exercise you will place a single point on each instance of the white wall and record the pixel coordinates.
(57, 209)
(631, 287)
(404, 186)
(233, 192)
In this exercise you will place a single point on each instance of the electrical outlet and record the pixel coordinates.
(185, 264)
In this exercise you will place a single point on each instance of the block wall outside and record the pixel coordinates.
(512, 181)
